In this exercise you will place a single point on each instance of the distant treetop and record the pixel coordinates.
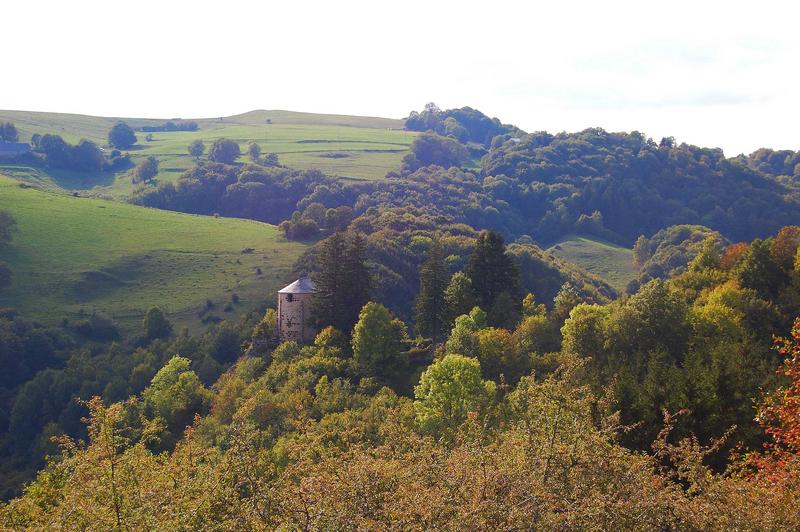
(8, 132)
(465, 124)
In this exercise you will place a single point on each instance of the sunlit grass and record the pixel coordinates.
(71, 256)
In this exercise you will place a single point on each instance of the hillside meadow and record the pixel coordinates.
(71, 256)
(360, 148)
(611, 262)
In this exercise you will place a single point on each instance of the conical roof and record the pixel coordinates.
(304, 285)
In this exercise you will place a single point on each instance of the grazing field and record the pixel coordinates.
(346, 146)
(71, 256)
(612, 263)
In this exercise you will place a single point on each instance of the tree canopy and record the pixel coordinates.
(197, 148)
(431, 306)
(8, 132)
(432, 149)
(342, 283)
(146, 169)
(378, 343)
(449, 390)
(493, 272)
(121, 136)
(224, 151)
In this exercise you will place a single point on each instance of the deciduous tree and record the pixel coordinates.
(463, 338)
(784, 246)
(759, 271)
(447, 392)
(121, 136)
(430, 148)
(378, 343)
(254, 151)
(779, 415)
(176, 394)
(155, 324)
(8, 225)
(197, 148)
(459, 297)
(224, 151)
(146, 169)
(8, 132)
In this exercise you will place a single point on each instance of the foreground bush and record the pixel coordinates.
(546, 460)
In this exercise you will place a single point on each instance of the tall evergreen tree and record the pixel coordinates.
(431, 307)
(492, 271)
(357, 280)
(342, 284)
(328, 281)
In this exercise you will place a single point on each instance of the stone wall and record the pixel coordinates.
(294, 312)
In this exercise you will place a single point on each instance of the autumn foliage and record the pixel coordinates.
(732, 255)
(784, 247)
(779, 416)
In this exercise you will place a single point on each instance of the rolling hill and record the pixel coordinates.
(350, 147)
(72, 256)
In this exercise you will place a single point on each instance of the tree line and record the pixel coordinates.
(617, 186)
(466, 125)
(170, 125)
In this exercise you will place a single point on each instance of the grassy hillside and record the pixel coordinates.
(610, 262)
(71, 256)
(345, 146)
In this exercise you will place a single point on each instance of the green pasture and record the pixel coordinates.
(610, 262)
(71, 256)
(344, 146)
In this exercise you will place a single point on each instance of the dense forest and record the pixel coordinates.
(461, 373)
(540, 186)
(525, 415)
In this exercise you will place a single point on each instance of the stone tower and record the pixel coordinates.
(294, 312)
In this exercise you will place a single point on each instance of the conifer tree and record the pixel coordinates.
(493, 271)
(357, 285)
(431, 307)
(342, 284)
(328, 280)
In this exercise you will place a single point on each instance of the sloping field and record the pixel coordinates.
(71, 256)
(610, 262)
(346, 146)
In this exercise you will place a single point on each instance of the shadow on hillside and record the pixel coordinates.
(72, 180)
(42, 177)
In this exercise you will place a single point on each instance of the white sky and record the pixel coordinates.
(721, 74)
